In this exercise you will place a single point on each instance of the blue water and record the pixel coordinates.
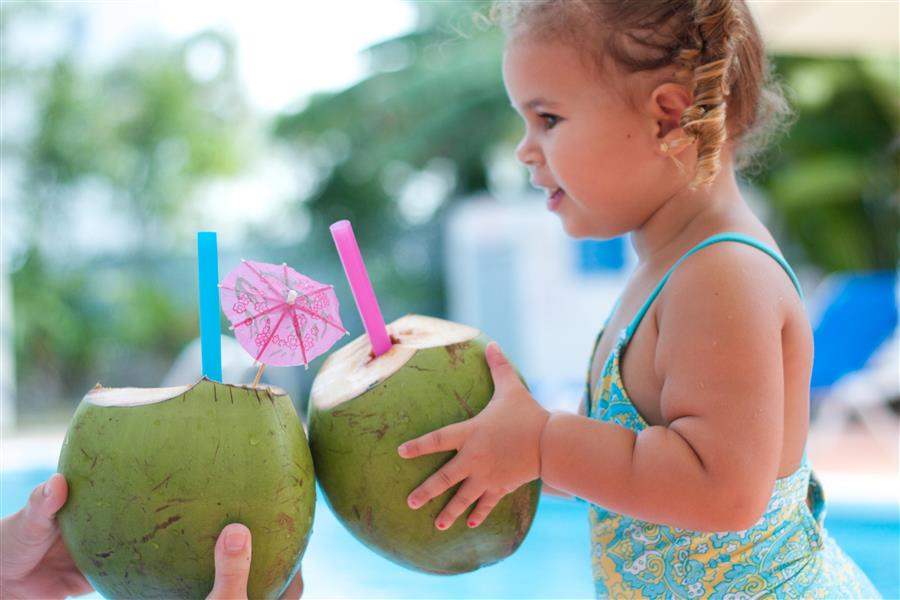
(553, 562)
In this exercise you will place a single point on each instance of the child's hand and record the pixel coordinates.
(498, 450)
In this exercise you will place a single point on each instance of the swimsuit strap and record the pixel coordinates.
(721, 237)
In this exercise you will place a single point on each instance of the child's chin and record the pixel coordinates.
(577, 229)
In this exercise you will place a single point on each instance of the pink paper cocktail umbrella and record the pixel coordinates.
(279, 316)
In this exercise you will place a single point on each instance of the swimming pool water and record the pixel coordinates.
(553, 562)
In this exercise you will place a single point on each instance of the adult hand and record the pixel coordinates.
(35, 561)
(233, 552)
(37, 564)
(498, 449)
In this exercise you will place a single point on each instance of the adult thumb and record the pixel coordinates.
(233, 550)
(502, 371)
(29, 534)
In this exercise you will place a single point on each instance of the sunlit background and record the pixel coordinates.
(128, 127)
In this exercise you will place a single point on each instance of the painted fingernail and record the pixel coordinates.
(441, 525)
(472, 523)
(412, 503)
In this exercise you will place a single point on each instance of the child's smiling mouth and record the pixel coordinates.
(555, 199)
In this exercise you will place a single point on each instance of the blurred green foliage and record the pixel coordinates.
(144, 133)
(432, 103)
(833, 179)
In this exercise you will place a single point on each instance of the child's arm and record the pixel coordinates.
(711, 468)
(552, 491)
(548, 489)
(719, 356)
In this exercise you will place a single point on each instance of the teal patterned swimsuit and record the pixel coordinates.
(786, 554)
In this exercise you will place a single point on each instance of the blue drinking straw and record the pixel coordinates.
(210, 331)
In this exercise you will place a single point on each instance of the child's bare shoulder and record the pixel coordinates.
(727, 277)
(725, 305)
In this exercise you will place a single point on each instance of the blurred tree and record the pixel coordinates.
(438, 93)
(131, 141)
(392, 150)
(833, 179)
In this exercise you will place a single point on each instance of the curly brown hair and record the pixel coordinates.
(714, 44)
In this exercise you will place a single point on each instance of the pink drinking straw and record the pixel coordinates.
(366, 302)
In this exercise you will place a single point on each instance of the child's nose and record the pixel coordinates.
(527, 152)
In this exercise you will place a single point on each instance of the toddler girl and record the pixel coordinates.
(689, 447)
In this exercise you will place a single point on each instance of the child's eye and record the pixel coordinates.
(550, 120)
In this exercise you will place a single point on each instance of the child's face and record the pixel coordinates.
(582, 136)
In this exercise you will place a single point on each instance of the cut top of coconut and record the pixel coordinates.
(128, 397)
(352, 370)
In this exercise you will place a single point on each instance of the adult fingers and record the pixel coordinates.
(39, 515)
(445, 478)
(233, 551)
(440, 440)
(29, 534)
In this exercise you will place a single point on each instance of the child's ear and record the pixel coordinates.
(665, 105)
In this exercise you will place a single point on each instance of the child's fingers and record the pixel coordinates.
(467, 494)
(484, 507)
(295, 590)
(502, 372)
(445, 478)
(440, 440)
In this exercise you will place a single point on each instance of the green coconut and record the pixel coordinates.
(154, 475)
(362, 408)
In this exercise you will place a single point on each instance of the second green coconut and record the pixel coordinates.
(362, 408)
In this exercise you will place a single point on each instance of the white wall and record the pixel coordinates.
(513, 272)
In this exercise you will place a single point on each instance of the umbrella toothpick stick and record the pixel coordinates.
(259, 372)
